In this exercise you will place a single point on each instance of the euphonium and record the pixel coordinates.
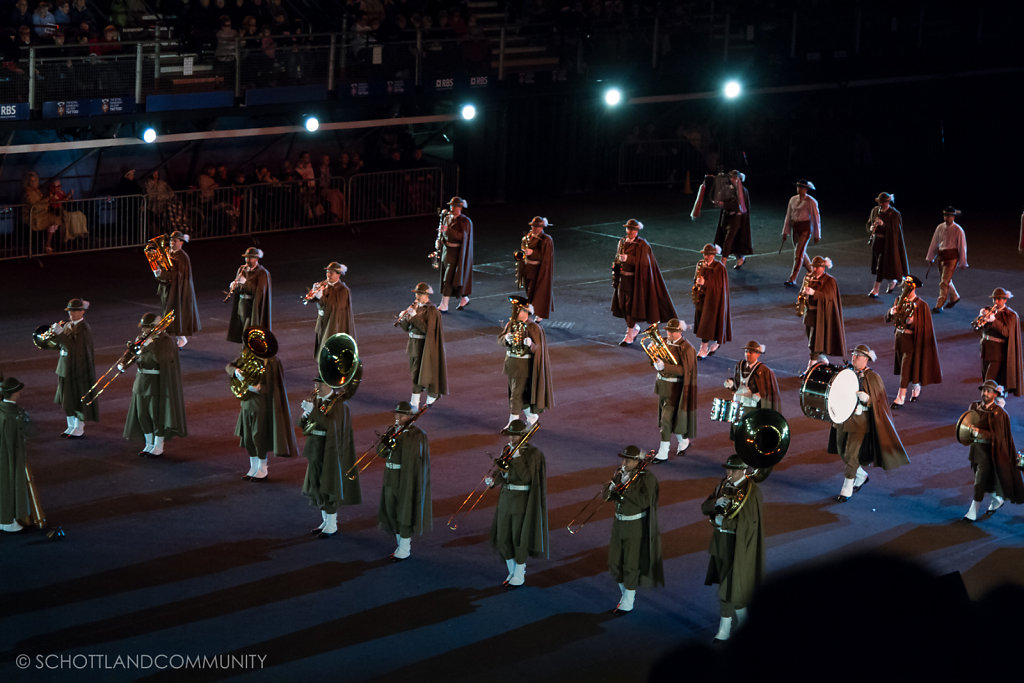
(978, 322)
(655, 346)
(158, 253)
(904, 305)
(697, 291)
(801, 298)
(260, 345)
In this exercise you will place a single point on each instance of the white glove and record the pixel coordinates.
(699, 282)
(625, 477)
(729, 383)
(756, 397)
(528, 342)
(120, 368)
(622, 258)
(238, 374)
(722, 502)
(892, 311)
(488, 481)
(307, 407)
(990, 319)
(863, 397)
(809, 291)
(254, 389)
(659, 365)
(508, 338)
(57, 328)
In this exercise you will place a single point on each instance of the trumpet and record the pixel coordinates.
(386, 442)
(244, 268)
(655, 346)
(314, 290)
(501, 465)
(405, 314)
(612, 490)
(442, 222)
(982, 319)
(44, 335)
(130, 355)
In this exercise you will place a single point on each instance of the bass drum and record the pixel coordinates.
(829, 393)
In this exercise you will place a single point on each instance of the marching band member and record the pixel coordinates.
(526, 365)
(676, 388)
(949, 244)
(737, 542)
(888, 252)
(734, 221)
(264, 418)
(803, 219)
(426, 346)
(76, 371)
(520, 527)
(753, 383)
(917, 355)
(157, 408)
(15, 428)
(634, 552)
(823, 314)
(177, 292)
(711, 319)
(406, 507)
(539, 269)
(250, 290)
(1000, 342)
(640, 291)
(456, 255)
(330, 452)
(868, 435)
(334, 306)
(993, 454)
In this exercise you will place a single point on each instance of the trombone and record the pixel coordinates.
(501, 465)
(606, 493)
(385, 442)
(130, 355)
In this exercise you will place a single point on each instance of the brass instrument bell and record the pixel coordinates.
(655, 346)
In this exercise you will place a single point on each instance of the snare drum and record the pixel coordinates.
(829, 393)
(724, 410)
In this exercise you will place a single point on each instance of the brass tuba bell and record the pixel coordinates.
(260, 345)
(762, 438)
(339, 364)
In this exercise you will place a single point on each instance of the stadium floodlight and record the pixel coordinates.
(149, 135)
(468, 112)
(312, 123)
(612, 97)
(732, 89)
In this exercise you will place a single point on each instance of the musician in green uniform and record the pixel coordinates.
(157, 408)
(15, 428)
(520, 527)
(526, 364)
(405, 503)
(676, 388)
(76, 371)
(634, 552)
(425, 349)
(329, 453)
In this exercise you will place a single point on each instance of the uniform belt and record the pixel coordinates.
(904, 330)
(318, 432)
(64, 352)
(516, 355)
(725, 531)
(984, 337)
(518, 487)
(531, 263)
(393, 465)
(453, 244)
(245, 296)
(663, 378)
(320, 312)
(413, 335)
(627, 273)
(982, 441)
(146, 371)
(630, 518)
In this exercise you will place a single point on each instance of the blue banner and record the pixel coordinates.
(16, 111)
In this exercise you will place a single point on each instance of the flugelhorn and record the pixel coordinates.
(314, 290)
(405, 314)
(655, 346)
(385, 442)
(130, 355)
(982, 319)
(610, 490)
(501, 465)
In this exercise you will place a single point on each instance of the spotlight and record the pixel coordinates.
(732, 89)
(312, 124)
(612, 97)
(468, 112)
(149, 135)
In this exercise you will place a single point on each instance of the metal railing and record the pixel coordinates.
(128, 221)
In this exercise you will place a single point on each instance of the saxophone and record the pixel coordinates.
(801, 298)
(520, 258)
(435, 256)
(697, 291)
(617, 264)
(904, 306)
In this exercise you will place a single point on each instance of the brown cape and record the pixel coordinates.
(712, 320)
(541, 292)
(433, 372)
(178, 294)
(541, 389)
(1004, 455)
(829, 334)
(77, 371)
(882, 445)
(535, 519)
(651, 300)
(686, 409)
(1014, 365)
(277, 419)
(643, 493)
(925, 368)
(415, 506)
(329, 458)
(746, 566)
(15, 428)
(463, 280)
(741, 244)
(762, 381)
(893, 265)
(334, 315)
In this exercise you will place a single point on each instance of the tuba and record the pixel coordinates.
(655, 346)
(260, 345)
(801, 298)
(904, 306)
(340, 369)
(158, 253)
(762, 439)
(43, 337)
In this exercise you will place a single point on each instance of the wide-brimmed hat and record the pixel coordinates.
(632, 453)
(253, 252)
(516, 428)
(885, 197)
(335, 267)
(422, 288)
(541, 221)
(178, 235)
(147, 320)
(633, 224)
(805, 183)
(754, 347)
(520, 302)
(735, 462)
(404, 408)
(819, 261)
(10, 386)
(675, 325)
(950, 211)
(738, 174)
(1000, 293)
(77, 305)
(864, 350)
(711, 249)
(458, 201)
(992, 385)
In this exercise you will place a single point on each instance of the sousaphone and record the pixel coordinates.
(762, 438)
(339, 364)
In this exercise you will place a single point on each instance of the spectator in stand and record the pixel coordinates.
(166, 207)
(288, 174)
(109, 43)
(260, 10)
(20, 16)
(239, 202)
(25, 37)
(222, 177)
(43, 21)
(37, 210)
(81, 14)
(72, 221)
(128, 184)
(227, 39)
(307, 189)
(330, 196)
(62, 14)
